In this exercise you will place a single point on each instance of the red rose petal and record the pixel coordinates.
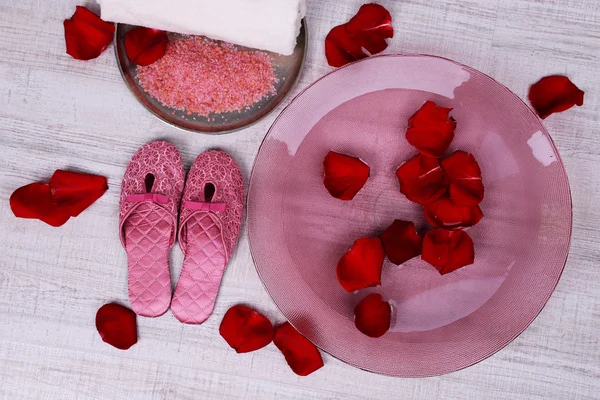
(371, 26)
(466, 186)
(401, 242)
(301, 355)
(117, 325)
(35, 201)
(341, 49)
(361, 266)
(431, 130)
(73, 192)
(448, 251)
(145, 46)
(368, 30)
(554, 94)
(245, 330)
(372, 316)
(422, 180)
(344, 176)
(86, 35)
(443, 213)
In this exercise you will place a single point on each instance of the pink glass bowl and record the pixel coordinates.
(298, 231)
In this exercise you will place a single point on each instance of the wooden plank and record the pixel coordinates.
(58, 112)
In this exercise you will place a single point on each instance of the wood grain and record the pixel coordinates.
(56, 112)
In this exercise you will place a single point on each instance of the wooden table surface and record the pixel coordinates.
(56, 112)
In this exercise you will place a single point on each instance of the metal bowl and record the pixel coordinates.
(287, 70)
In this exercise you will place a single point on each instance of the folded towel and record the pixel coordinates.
(271, 25)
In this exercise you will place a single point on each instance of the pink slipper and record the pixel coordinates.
(150, 197)
(209, 226)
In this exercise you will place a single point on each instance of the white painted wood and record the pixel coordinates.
(56, 112)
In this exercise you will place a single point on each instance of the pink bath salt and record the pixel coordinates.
(201, 76)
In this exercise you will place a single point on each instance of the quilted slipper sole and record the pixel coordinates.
(147, 231)
(203, 267)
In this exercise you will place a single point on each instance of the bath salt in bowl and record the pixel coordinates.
(201, 76)
(208, 86)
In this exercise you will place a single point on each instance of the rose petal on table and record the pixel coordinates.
(344, 176)
(371, 26)
(372, 316)
(431, 130)
(401, 242)
(86, 35)
(447, 250)
(367, 30)
(301, 355)
(34, 201)
(144, 46)
(443, 213)
(341, 49)
(466, 185)
(361, 266)
(422, 180)
(73, 192)
(554, 94)
(117, 325)
(245, 330)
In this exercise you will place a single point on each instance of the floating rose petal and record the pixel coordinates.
(422, 180)
(245, 330)
(431, 130)
(367, 30)
(34, 201)
(73, 192)
(554, 94)
(145, 46)
(361, 266)
(117, 325)
(301, 355)
(401, 242)
(448, 251)
(343, 175)
(443, 213)
(86, 35)
(466, 186)
(372, 316)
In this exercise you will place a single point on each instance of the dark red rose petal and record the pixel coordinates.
(448, 251)
(86, 35)
(35, 201)
(371, 26)
(301, 355)
(145, 46)
(368, 30)
(341, 49)
(361, 266)
(466, 185)
(431, 130)
(117, 325)
(73, 192)
(554, 94)
(443, 213)
(343, 175)
(67, 195)
(372, 316)
(401, 242)
(422, 180)
(245, 330)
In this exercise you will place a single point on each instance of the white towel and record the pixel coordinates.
(271, 25)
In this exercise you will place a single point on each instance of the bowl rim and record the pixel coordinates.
(546, 298)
